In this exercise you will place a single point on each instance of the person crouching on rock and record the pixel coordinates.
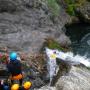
(15, 68)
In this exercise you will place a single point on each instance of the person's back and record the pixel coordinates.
(14, 68)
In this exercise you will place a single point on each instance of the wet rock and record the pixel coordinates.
(83, 12)
(64, 40)
(64, 69)
(46, 88)
(77, 79)
(70, 78)
(37, 83)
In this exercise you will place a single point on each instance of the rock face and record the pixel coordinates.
(83, 12)
(47, 88)
(78, 79)
(64, 69)
(24, 24)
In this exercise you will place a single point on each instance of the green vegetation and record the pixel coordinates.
(70, 10)
(52, 44)
(54, 7)
(3, 58)
(72, 5)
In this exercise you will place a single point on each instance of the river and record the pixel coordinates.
(79, 34)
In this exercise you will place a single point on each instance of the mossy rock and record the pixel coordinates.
(53, 44)
(72, 5)
(70, 10)
(54, 7)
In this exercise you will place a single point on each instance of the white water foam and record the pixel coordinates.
(68, 56)
(75, 59)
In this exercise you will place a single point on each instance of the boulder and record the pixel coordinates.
(77, 79)
(46, 88)
(83, 12)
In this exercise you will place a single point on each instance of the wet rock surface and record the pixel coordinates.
(76, 80)
(83, 12)
(47, 88)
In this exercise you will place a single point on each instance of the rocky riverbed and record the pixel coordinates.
(77, 79)
(24, 27)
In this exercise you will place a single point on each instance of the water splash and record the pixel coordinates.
(73, 59)
(51, 64)
(68, 56)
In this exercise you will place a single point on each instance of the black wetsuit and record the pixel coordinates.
(14, 68)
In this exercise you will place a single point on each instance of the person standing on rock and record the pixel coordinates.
(15, 68)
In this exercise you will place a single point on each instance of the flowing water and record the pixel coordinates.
(68, 57)
(51, 64)
(79, 34)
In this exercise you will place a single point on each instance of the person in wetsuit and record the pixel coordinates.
(15, 68)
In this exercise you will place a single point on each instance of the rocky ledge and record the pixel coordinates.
(77, 79)
(83, 12)
(24, 25)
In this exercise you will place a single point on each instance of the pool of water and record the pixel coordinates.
(79, 34)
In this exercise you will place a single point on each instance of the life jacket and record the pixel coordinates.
(16, 77)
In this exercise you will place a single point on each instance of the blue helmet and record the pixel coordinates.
(13, 56)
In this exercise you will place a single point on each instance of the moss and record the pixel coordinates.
(70, 10)
(52, 44)
(72, 5)
(69, 1)
(54, 7)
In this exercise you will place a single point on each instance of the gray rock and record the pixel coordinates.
(46, 88)
(38, 83)
(78, 79)
(83, 12)
(63, 69)
(64, 40)
(70, 78)
(27, 29)
(9, 5)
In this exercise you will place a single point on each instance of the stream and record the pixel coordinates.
(79, 34)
